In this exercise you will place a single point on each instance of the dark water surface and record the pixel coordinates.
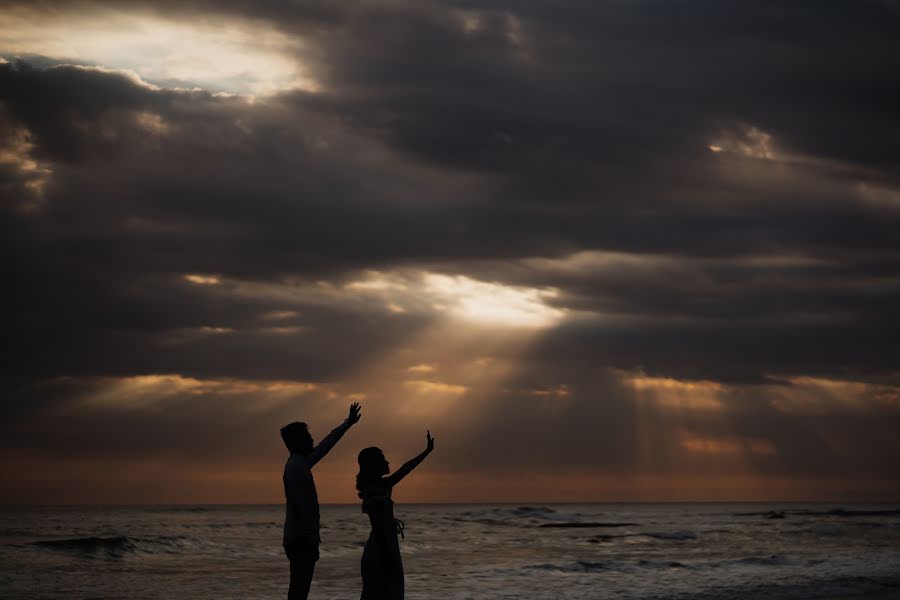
(558, 552)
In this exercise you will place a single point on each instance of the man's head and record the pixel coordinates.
(297, 438)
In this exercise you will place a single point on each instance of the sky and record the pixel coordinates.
(629, 250)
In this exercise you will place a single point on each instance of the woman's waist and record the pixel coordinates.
(395, 526)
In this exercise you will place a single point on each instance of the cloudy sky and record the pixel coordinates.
(617, 250)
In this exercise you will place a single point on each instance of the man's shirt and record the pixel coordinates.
(301, 522)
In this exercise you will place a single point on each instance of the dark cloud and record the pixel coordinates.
(543, 145)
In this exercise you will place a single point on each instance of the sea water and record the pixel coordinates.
(558, 552)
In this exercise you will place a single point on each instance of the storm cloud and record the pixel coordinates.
(611, 240)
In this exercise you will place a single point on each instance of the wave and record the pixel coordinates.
(834, 512)
(579, 566)
(16, 531)
(662, 564)
(531, 510)
(540, 516)
(836, 587)
(769, 514)
(178, 509)
(511, 512)
(843, 512)
(510, 515)
(607, 538)
(266, 524)
(163, 543)
(587, 524)
(115, 545)
(247, 524)
(671, 535)
(585, 566)
(759, 561)
(826, 530)
(637, 566)
(657, 535)
(818, 530)
(588, 566)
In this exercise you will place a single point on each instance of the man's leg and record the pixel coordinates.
(303, 562)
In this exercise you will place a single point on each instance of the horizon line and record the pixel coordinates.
(496, 503)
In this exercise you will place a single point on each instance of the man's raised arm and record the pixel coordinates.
(332, 438)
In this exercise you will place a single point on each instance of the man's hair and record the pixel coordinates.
(294, 434)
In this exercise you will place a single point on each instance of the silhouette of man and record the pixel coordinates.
(301, 522)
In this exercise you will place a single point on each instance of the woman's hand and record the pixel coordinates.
(429, 441)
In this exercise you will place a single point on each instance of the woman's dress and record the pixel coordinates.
(382, 569)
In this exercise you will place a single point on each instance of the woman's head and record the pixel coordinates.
(372, 465)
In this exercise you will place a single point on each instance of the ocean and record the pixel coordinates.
(554, 551)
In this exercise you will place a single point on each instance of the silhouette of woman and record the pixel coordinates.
(382, 569)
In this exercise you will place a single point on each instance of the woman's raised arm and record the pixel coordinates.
(395, 477)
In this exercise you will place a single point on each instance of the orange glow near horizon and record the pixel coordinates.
(167, 481)
(673, 465)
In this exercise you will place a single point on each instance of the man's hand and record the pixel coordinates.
(429, 441)
(353, 417)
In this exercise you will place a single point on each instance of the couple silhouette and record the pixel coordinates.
(381, 566)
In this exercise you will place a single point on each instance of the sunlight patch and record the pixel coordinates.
(748, 141)
(279, 315)
(16, 153)
(728, 445)
(284, 330)
(558, 392)
(676, 393)
(199, 279)
(879, 196)
(460, 297)
(215, 329)
(144, 391)
(493, 303)
(435, 387)
(819, 395)
(153, 123)
(215, 54)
